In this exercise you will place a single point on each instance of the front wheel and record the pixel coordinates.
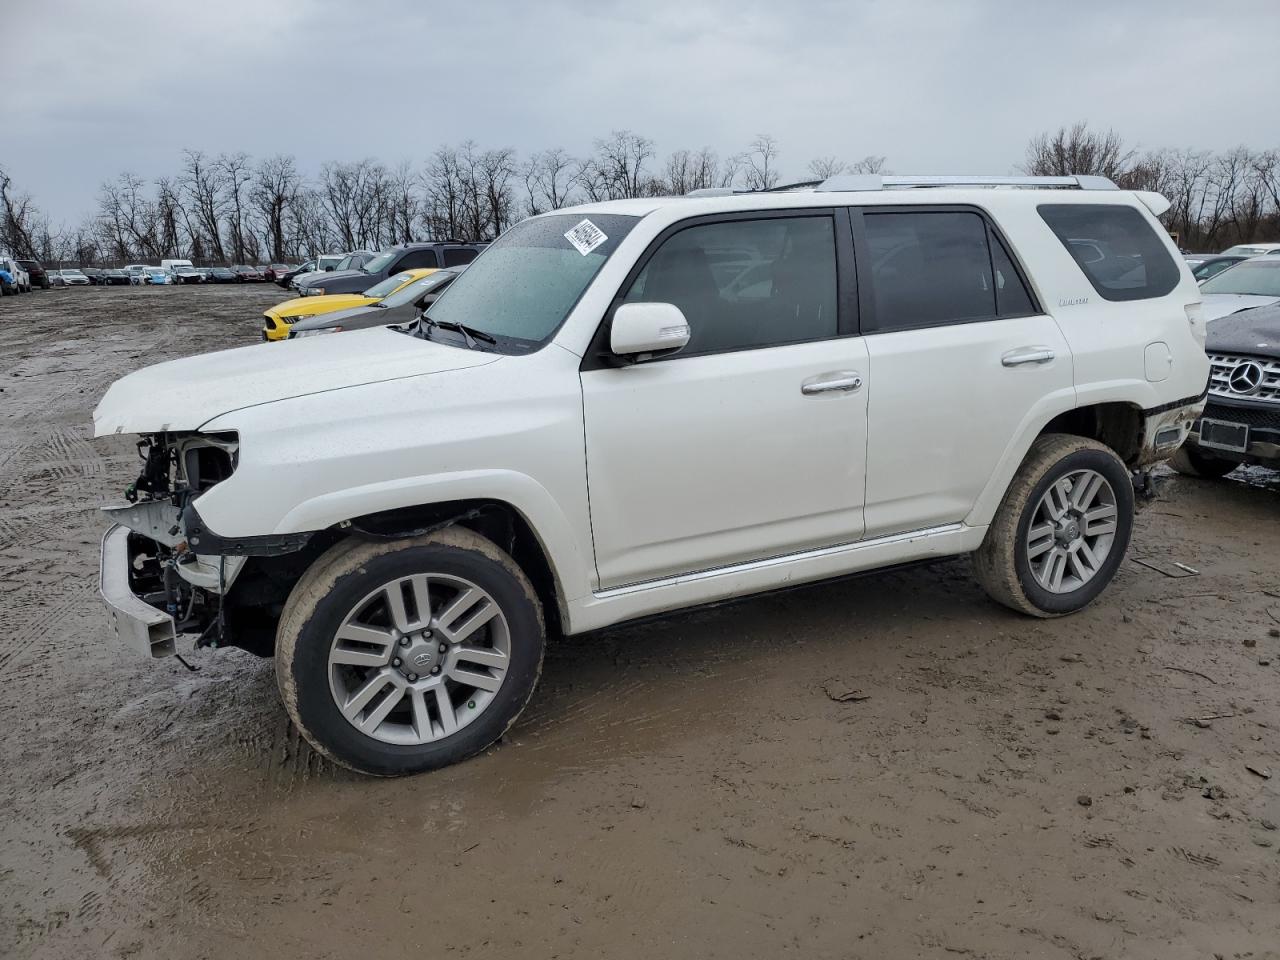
(1061, 531)
(404, 656)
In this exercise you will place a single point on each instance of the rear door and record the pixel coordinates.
(958, 352)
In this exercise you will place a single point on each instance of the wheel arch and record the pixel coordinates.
(496, 520)
(1115, 424)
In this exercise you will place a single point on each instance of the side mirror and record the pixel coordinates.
(645, 330)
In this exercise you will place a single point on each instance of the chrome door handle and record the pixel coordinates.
(1026, 355)
(843, 381)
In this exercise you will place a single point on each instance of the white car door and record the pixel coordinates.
(959, 353)
(750, 442)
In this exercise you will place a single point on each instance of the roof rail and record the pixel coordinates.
(712, 192)
(875, 181)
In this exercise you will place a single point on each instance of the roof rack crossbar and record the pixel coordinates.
(875, 181)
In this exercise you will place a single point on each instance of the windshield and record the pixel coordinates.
(1261, 278)
(388, 285)
(379, 263)
(524, 284)
(416, 289)
(335, 262)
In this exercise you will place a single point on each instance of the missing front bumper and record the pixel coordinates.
(140, 627)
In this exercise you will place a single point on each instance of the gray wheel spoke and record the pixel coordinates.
(422, 598)
(379, 713)
(1100, 520)
(1057, 500)
(360, 699)
(1085, 490)
(421, 716)
(381, 642)
(472, 678)
(394, 594)
(1055, 568)
(1039, 539)
(448, 719)
(360, 658)
(1078, 566)
(485, 656)
(457, 630)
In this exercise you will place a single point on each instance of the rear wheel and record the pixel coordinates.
(1191, 461)
(1062, 529)
(399, 657)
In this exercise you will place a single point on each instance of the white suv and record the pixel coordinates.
(634, 407)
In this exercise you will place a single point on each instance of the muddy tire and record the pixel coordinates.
(398, 657)
(1061, 531)
(1192, 462)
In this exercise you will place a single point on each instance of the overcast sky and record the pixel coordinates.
(94, 88)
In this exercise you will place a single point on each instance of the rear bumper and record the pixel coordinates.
(139, 626)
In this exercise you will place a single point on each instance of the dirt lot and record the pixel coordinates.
(699, 787)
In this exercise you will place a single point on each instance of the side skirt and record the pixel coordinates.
(759, 576)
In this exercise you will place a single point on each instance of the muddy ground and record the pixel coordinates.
(699, 787)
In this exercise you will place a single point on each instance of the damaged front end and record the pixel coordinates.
(164, 574)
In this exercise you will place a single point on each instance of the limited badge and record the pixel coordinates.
(585, 237)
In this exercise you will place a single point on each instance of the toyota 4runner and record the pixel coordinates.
(633, 407)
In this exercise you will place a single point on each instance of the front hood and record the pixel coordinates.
(1221, 304)
(1255, 332)
(300, 306)
(337, 317)
(320, 279)
(183, 394)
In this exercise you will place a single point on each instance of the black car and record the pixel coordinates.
(221, 275)
(1206, 265)
(407, 256)
(402, 306)
(35, 270)
(93, 273)
(113, 278)
(287, 276)
(1241, 421)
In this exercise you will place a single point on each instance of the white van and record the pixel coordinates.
(172, 265)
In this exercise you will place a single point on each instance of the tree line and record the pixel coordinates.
(232, 208)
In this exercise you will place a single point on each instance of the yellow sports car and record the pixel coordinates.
(278, 319)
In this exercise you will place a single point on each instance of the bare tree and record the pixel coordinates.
(548, 180)
(19, 214)
(1077, 149)
(619, 163)
(760, 163)
(237, 175)
(688, 170)
(201, 181)
(275, 188)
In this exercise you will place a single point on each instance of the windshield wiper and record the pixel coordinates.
(469, 334)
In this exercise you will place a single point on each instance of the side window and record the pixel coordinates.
(1116, 248)
(1012, 297)
(931, 268)
(416, 259)
(457, 256)
(743, 284)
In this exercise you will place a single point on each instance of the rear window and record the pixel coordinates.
(455, 257)
(1116, 248)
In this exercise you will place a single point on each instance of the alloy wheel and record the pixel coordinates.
(1072, 530)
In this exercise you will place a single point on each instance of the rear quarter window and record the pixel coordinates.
(1115, 246)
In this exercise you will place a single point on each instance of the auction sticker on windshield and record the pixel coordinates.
(585, 237)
